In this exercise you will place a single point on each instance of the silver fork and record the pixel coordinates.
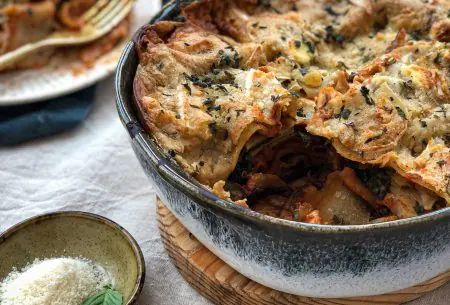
(98, 20)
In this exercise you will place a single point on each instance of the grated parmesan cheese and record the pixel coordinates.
(56, 281)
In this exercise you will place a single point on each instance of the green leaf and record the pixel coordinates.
(113, 298)
(95, 300)
(107, 297)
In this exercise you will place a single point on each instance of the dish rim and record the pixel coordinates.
(169, 170)
(140, 280)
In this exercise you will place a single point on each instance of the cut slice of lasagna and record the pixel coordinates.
(27, 21)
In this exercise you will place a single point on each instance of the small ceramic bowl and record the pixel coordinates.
(76, 234)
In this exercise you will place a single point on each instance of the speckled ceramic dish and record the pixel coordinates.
(76, 234)
(304, 259)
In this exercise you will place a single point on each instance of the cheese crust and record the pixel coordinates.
(372, 77)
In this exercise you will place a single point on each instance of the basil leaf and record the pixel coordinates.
(113, 297)
(107, 297)
(95, 300)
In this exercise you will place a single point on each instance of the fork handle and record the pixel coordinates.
(16, 55)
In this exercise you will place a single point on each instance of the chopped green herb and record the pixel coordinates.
(377, 180)
(208, 101)
(400, 112)
(441, 163)
(408, 89)
(391, 61)
(367, 57)
(364, 90)
(300, 113)
(222, 87)
(376, 137)
(298, 44)
(285, 83)
(373, 138)
(237, 60)
(351, 77)
(332, 36)
(345, 113)
(227, 57)
(304, 70)
(214, 108)
(438, 59)
(203, 82)
(330, 33)
(419, 208)
(365, 93)
(341, 65)
(330, 11)
(213, 127)
(339, 38)
(423, 123)
(311, 46)
(188, 88)
(415, 35)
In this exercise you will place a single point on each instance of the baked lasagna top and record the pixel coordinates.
(367, 80)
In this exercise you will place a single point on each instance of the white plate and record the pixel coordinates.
(62, 76)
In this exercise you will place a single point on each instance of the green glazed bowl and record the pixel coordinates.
(76, 234)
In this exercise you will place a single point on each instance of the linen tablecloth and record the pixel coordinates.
(92, 168)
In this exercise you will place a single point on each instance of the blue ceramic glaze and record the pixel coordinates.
(298, 258)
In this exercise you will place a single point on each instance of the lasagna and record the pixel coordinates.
(325, 112)
(27, 21)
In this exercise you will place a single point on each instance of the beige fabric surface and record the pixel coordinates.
(92, 168)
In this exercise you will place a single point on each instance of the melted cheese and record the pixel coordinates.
(270, 69)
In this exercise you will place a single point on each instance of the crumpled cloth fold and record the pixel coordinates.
(23, 123)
